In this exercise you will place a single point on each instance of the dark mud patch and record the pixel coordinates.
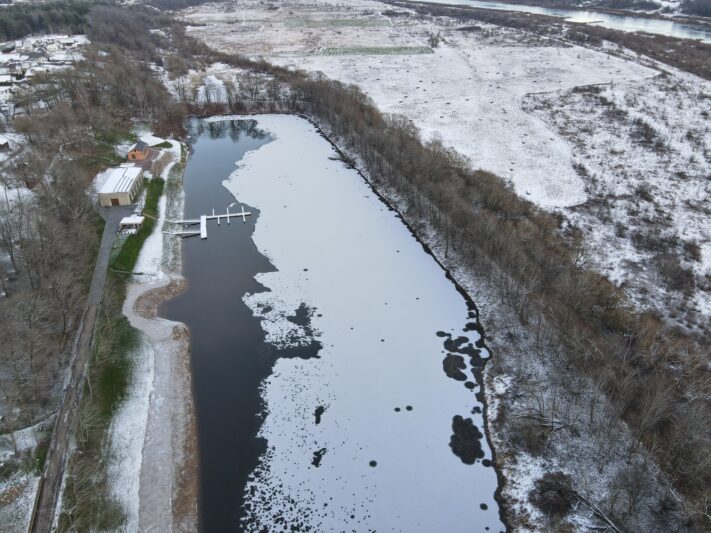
(318, 455)
(466, 440)
(318, 413)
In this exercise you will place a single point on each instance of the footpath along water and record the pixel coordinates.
(339, 390)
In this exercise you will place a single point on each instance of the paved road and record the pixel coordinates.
(49, 487)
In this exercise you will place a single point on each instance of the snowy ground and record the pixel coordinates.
(468, 93)
(17, 491)
(507, 100)
(17, 496)
(477, 93)
(378, 456)
(643, 150)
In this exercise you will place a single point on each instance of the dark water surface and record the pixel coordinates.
(229, 356)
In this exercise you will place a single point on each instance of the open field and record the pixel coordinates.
(644, 153)
(468, 93)
(493, 94)
(376, 50)
(335, 23)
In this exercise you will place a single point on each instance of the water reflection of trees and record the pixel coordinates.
(235, 129)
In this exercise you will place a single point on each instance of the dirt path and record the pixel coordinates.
(168, 479)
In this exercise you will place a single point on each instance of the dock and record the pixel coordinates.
(203, 223)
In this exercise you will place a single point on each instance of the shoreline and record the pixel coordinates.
(171, 437)
(167, 497)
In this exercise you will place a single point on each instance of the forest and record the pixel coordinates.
(57, 16)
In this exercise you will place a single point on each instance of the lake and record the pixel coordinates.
(336, 368)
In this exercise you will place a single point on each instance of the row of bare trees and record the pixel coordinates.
(71, 120)
(44, 279)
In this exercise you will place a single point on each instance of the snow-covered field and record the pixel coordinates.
(508, 101)
(477, 93)
(360, 436)
(643, 150)
(468, 93)
(17, 496)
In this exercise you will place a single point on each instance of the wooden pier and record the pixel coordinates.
(203, 223)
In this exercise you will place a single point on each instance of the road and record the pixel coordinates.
(67, 416)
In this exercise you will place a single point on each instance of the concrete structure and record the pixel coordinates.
(121, 186)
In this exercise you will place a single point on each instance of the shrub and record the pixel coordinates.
(553, 494)
(676, 276)
(529, 437)
(643, 132)
(692, 250)
(643, 191)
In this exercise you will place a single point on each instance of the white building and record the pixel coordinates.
(131, 225)
(121, 186)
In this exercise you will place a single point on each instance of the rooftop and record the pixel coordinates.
(120, 179)
(133, 219)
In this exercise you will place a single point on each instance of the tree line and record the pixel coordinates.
(22, 19)
(71, 120)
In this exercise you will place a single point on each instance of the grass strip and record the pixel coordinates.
(126, 259)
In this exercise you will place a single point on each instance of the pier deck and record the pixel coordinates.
(203, 223)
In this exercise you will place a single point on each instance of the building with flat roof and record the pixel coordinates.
(121, 186)
(130, 225)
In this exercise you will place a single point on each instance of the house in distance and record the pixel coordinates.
(139, 151)
(121, 186)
